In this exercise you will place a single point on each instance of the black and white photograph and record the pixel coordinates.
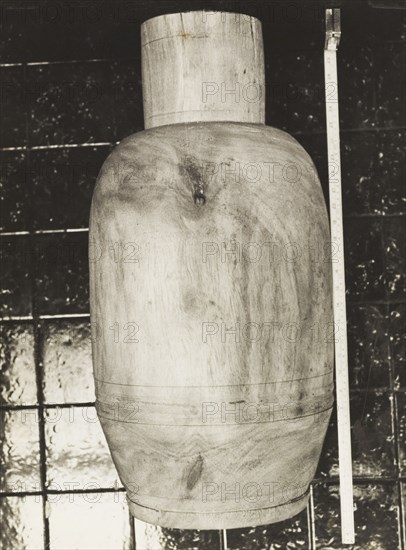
(203, 279)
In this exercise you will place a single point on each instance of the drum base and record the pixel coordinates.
(219, 520)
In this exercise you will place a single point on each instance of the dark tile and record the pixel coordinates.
(30, 28)
(102, 29)
(295, 92)
(13, 107)
(95, 521)
(389, 25)
(401, 412)
(287, 26)
(375, 515)
(368, 346)
(389, 172)
(153, 537)
(291, 533)
(62, 273)
(14, 191)
(40, 31)
(390, 64)
(84, 30)
(316, 146)
(63, 181)
(362, 190)
(370, 66)
(22, 523)
(15, 256)
(373, 172)
(364, 258)
(328, 463)
(67, 362)
(394, 237)
(365, 22)
(398, 343)
(13, 46)
(70, 103)
(127, 97)
(19, 451)
(77, 451)
(17, 368)
(375, 258)
(373, 452)
(356, 81)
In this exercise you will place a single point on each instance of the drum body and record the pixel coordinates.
(211, 311)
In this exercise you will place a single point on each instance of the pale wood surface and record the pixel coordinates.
(171, 190)
(202, 66)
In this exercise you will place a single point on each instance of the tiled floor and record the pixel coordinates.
(70, 83)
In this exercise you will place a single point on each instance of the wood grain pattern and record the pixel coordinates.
(186, 412)
(210, 293)
(203, 66)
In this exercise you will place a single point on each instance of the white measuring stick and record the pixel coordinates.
(333, 32)
(224, 536)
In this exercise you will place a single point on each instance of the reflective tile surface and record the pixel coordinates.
(67, 362)
(19, 451)
(21, 523)
(18, 384)
(152, 537)
(77, 453)
(88, 521)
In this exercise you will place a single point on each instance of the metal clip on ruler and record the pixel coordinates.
(333, 33)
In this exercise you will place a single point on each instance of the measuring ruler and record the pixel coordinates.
(333, 33)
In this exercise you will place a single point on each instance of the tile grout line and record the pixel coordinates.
(395, 425)
(37, 344)
(56, 231)
(113, 143)
(70, 62)
(47, 406)
(59, 146)
(45, 317)
(402, 513)
(98, 490)
(40, 399)
(133, 544)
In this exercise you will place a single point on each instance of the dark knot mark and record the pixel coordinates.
(195, 177)
(198, 197)
(195, 473)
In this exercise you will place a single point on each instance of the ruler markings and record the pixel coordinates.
(333, 32)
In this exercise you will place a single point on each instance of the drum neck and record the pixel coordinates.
(202, 66)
